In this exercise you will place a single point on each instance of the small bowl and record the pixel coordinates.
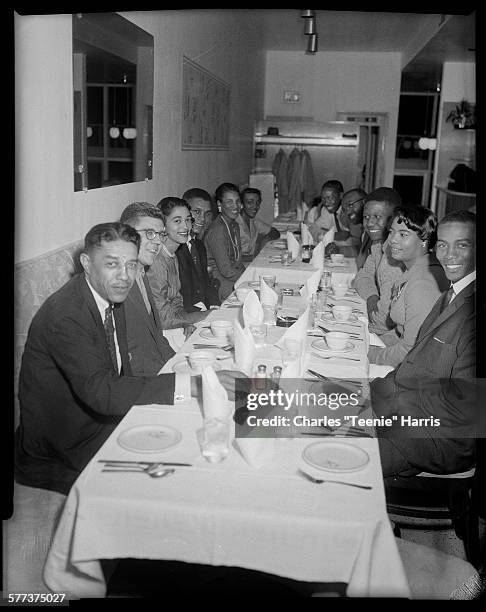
(337, 258)
(201, 358)
(221, 328)
(242, 292)
(337, 340)
(341, 313)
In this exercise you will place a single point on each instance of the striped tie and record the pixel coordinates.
(447, 298)
(110, 335)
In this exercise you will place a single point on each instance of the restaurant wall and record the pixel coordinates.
(48, 213)
(329, 82)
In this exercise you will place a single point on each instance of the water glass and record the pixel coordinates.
(325, 283)
(215, 440)
(286, 258)
(292, 349)
(269, 314)
(259, 333)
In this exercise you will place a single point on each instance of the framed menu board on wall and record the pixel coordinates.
(206, 108)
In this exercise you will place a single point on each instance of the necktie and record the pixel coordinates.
(447, 298)
(143, 290)
(336, 221)
(110, 335)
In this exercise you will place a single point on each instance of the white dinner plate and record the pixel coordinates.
(321, 345)
(334, 456)
(149, 438)
(183, 366)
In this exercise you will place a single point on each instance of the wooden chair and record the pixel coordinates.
(433, 501)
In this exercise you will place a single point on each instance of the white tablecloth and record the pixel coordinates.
(297, 271)
(270, 519)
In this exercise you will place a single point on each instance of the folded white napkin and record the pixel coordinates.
(317, 259)
(257, 452)
(252, 310)
(244, 349)
(215, 398)
(293, 245)
(305, 234)
(297, 331)
(370, 338)
(267, 294)
(328, 237)
(311, 285)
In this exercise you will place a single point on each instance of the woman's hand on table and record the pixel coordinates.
(372, 307)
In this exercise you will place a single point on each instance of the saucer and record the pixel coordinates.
(321, 345)
(207, 333)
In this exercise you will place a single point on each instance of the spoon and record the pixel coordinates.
(153, 471)
(320, 481)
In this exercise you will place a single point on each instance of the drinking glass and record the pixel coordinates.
(269, 314)
(326, 279)
(286, 258)
(292, 350)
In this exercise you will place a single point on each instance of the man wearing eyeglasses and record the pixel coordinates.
(148, 349)
(353, 204)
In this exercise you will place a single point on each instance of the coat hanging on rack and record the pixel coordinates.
(280, 171)
(307, 178)
(294, 178)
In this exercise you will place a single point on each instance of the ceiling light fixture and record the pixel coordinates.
(306, 13)
(312, 44)
(310, 26)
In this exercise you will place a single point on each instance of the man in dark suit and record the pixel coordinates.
(76, 382)
(148, 349)
(436, 378)
(199, 290)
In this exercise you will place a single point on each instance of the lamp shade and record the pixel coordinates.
(312, 44)
(432, 144)
(89, 131)
(310, 26)
(114, 132)
(129, 133)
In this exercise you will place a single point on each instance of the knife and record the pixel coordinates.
(335, 357)
(322, 377)
(143, 462)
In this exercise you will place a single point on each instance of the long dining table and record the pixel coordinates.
(230, 513)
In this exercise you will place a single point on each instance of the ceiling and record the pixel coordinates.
(283, 29)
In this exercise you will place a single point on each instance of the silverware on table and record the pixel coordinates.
(226, 347)
(350, 334)
(321, 480)
(151, 471)
(129, 462)
(335, 357)
(334, 378)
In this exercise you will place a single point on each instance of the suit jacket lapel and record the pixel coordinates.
(436, 318)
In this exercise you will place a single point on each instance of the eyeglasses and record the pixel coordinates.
(354, 202)
(150, 233)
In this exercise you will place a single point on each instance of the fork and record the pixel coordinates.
(320, 481)
(350, 334)
(335, 357)
(227, 347)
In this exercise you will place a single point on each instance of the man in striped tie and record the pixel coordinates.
(433, 391)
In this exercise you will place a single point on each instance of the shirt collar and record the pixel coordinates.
(101, 303)
(464, 282)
